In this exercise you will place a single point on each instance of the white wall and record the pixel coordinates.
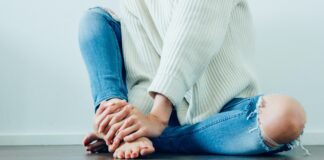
(44, 90)
(290, 40)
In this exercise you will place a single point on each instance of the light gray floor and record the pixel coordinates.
(78, 153)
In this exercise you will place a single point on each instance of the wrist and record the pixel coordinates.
(164, 120)
(162, 123)
(162, 108)
(160, 99)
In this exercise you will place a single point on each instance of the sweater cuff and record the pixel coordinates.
(168, 85)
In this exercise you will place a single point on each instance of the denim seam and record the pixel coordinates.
(109, 90)
(116, 47)
(116, 43)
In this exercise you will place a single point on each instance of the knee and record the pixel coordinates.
(282, 118)
(92, 23)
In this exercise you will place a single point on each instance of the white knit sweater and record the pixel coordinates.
(198, 53)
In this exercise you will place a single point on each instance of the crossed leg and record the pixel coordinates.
(281, 120)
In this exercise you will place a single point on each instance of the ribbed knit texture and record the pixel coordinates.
(198, 53)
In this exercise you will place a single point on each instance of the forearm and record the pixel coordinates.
(162, 108)
(194, 37)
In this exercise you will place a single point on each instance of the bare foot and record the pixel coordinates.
(140, 147)
(94, 143)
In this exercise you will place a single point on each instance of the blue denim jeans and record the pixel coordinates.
(101, 48)
(232, 131)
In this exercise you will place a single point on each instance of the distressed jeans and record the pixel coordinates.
(232, 131)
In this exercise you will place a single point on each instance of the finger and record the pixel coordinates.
(109, 110)
(127, 131)
(115, 144)
(103, 125)
(114, 106)
(128, 122)
(134, 136)
(119, 138)
(121, 115)
(90, 138)
(112, 131)
(100, 109)
(105, 104)
(99, 118)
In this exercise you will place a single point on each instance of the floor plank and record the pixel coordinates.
(78, 153)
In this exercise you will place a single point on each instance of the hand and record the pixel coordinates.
(109, 113)
(135, 126)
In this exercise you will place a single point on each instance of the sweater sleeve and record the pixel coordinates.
(195, 35)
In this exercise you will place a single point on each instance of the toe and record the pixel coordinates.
(128, 154)
(121, 154)
(147, 150)
(116, 153)
(135, 152)
(89, 138)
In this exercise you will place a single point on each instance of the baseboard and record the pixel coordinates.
(315, 137)
(41, 139)
(308, 138)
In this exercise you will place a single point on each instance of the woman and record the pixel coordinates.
(178, 76)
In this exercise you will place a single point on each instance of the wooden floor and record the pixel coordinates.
(78, 153)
